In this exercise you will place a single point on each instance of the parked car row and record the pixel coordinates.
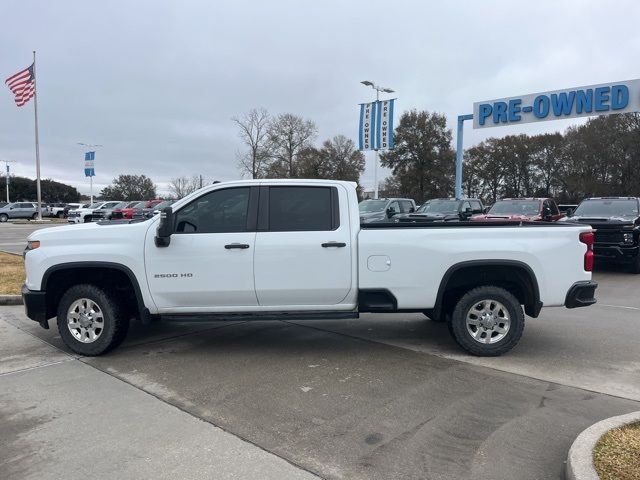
(116, 210)
(616, 220)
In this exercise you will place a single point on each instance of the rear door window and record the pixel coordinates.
(476, 206)
(295, 209)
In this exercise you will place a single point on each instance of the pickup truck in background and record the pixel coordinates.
(85, 214)
(278, 249)
(384, 209)
(443, 210)
(522, 210)
(616, 221)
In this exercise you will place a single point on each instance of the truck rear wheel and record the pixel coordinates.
(487, 321)
(90, 321)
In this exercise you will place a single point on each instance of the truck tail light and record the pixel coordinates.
(587, 239)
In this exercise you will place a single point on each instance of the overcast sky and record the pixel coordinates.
(157, 82)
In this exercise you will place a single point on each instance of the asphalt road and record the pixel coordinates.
(378, 397)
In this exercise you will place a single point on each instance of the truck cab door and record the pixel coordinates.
(303, 253)
(208, 264)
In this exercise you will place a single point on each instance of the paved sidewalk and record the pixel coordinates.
(61, 418)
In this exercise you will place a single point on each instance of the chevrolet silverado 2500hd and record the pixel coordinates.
(273, 249)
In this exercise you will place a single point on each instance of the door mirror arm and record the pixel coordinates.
(165, 228)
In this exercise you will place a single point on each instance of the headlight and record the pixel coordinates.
(627, 237)
(31, 245)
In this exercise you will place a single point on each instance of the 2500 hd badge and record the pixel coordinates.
(173, 275)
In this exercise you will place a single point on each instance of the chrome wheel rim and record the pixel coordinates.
(85, 320)
(488, 321)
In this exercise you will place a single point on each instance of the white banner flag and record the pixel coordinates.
(385, 125)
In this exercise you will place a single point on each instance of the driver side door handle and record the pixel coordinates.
(334, 244)
(240, 246)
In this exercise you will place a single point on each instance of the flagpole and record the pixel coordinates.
(35, 110)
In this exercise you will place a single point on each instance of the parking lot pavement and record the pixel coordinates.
(383, 396)
(60, 418)
(594, 348)
(13, 237)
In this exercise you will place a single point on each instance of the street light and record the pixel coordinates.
(7, 162)
(378, 89)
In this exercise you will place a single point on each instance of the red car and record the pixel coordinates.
(126, 212)
(521, 210)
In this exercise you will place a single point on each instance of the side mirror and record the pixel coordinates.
(546, 213)
(569, 212)
(390, 212)
(165, 228)
(468, 211)
(412, 210)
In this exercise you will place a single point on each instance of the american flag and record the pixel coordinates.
(23, 85)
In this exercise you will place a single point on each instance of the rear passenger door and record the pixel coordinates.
(303, 246)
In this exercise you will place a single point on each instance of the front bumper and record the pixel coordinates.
(617, 253)
(581, 294)
(35, 305)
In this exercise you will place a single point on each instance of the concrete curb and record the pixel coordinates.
(580, 458)
(10, 300)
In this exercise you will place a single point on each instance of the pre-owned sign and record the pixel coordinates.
(603, 99)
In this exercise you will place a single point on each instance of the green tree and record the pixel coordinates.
(25, 189)
(130, 187)
(422, 162)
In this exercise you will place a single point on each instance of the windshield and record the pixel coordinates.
(515, 207)
(121, 205)
(607, 208)
(439, 206)
(142, 204)
(95, 205)
(371, 206)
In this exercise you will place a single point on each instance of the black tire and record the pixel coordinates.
(635, 266)
(87, 219)
(464, 338)
(116, 322)
(34, 216)
(60, 215)
(3, 217)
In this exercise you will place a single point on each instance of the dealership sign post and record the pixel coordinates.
(602, 99)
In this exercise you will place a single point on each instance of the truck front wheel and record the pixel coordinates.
(487, 321)
(90, 321)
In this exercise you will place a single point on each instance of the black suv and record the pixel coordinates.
(616, 221)
(443, 210)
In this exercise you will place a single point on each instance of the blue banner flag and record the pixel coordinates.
(89, 170)
(376, 126)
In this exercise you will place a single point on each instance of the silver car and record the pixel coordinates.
(18, 210)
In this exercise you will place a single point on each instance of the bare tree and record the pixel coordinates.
(254, 129)
(288, 135)
(182, 186)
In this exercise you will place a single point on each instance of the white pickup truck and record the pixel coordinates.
(274, 249)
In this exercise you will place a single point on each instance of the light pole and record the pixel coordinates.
(378, 89)
(90, 176)
(7, 162)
